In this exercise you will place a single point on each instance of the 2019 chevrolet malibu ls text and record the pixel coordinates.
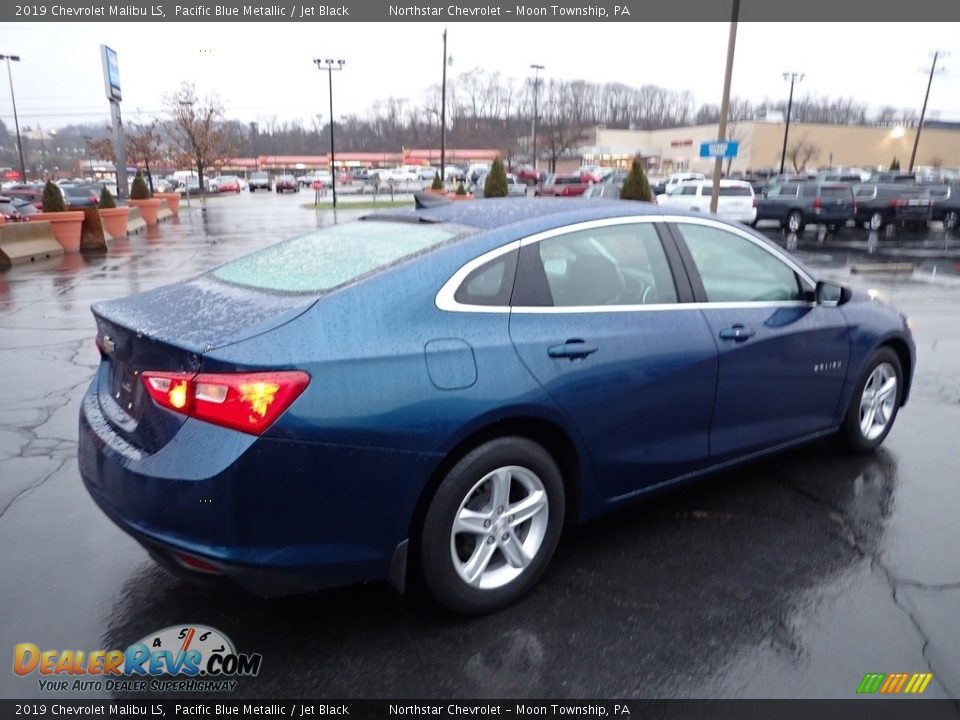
(441, 390)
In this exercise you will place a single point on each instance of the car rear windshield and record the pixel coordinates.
(566, 181)
(333, 256)
(734, 191)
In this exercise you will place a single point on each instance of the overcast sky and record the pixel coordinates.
(265, 70)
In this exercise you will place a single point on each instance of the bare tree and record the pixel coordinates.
(144, 145)
(197, 129)
(801, 152)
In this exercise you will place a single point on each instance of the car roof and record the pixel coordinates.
(495, 213)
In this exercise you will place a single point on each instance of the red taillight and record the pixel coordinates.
(895, 202)
(754, 200)
(248, 402)
(817, 203)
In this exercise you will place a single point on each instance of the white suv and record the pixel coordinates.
(736, 200)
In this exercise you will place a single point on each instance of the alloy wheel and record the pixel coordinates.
(878, 400)
(876, 221)
(499, 527)
(794, 221)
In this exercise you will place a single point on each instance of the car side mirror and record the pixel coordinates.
(828, 293)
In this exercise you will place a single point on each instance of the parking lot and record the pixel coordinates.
(790, 577)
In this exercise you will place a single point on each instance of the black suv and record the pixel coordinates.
(879, 205)
(795, 204)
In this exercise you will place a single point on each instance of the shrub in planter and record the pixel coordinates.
(461, 190)
(53, 198)
(496, 184)
(436, 184)
(139, 189)
(106, 199)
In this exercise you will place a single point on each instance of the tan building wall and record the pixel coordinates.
(761, 144)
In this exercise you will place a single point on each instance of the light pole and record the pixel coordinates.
(89, 166)
(916, 138)
(16, 121)
(793, 77)
(187, 106)
(333, 168)
(536, 88)
(443, 114)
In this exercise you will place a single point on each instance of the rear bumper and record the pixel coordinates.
(269, 515)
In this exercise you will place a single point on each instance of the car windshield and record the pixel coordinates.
(332, 257)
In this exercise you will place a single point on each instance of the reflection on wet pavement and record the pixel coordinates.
(793, 576)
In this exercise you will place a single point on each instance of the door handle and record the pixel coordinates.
(737, 332)
(575, 349)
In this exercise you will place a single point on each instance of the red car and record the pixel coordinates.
(562, 186)
(526, 174)
(225, 183)
(286, 182)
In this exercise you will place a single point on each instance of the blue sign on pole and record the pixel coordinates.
(720, 148)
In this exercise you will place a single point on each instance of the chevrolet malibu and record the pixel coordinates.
(442, 390)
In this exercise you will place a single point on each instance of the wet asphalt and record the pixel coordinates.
(790, 577)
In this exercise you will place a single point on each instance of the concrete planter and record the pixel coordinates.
(65, 226)
(172, 199)
(148, 208)
(454, 196)
(115, 220)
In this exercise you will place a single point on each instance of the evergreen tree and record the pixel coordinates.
(436, 184)
(636, 186)
(106, 199)
(139, 189)
(496, 184)
(53, 198)
(895, 165)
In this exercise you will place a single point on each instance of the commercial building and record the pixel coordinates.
(761, 143)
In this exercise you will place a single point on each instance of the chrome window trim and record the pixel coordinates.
(445, 296)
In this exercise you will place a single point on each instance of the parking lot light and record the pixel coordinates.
(329, 63)
(16, 120)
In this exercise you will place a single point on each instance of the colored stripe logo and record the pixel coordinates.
(894, 683)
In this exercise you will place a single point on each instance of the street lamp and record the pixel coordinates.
(16, 121)
(916, 138)
(333, 169)
(536, 87)
(793, 77)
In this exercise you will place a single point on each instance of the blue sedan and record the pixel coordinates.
(441, 390)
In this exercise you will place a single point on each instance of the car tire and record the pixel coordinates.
(862, 430)
(876, 221)
(795, 222)
(252, 189)
(497, 558)
(951, 219)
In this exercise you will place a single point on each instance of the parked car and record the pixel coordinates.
(454, 173)
(259, 181)
(526, 174)
(603, 190)
(360, 174)
(12, 212)
(80, 196)
(562, 185)
(945, 204)
(735, 201)
(224, 184)
(425, 172)
(682, 177)
(286, 182)
(341, 407)
(515, 188)
(892, 176)
(619, 176)
(899, 204)
(33, 194)
(798, 203)
(307, 180)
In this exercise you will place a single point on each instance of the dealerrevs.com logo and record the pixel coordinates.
(180, 658)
